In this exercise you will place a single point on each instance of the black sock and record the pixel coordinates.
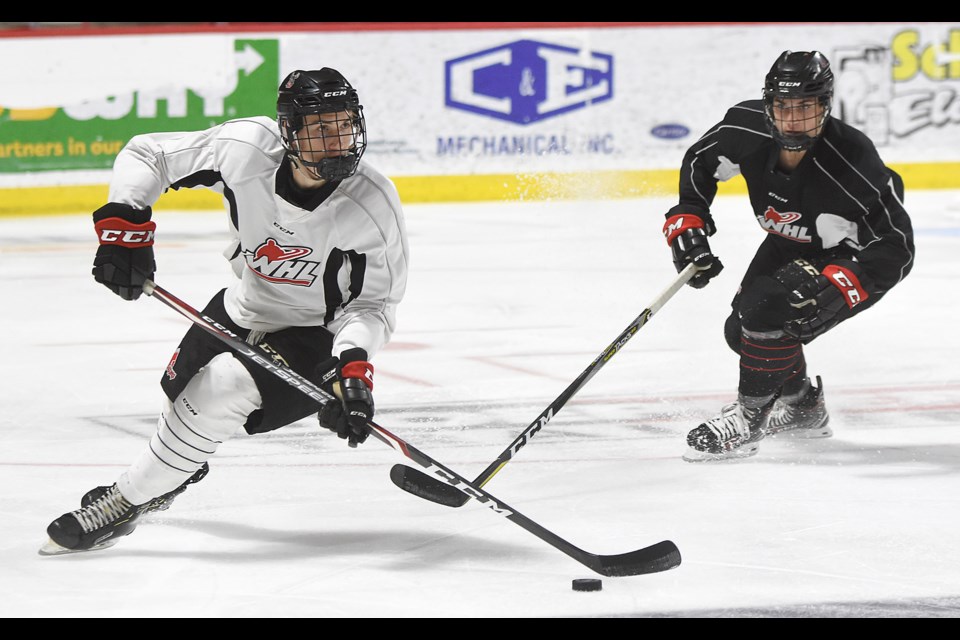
(768, 361)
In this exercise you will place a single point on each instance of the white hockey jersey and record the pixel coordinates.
(341, 263)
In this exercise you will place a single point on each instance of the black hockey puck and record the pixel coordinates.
(587, 584)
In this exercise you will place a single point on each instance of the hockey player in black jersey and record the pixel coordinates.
(838, 239)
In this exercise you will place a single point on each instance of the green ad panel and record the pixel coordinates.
(89, 135)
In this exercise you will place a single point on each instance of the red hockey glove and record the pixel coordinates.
(124, 259)
(687, 237)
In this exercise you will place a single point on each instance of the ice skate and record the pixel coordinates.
(97, 526)
(734, 434)
(160, 503)
(803, 416)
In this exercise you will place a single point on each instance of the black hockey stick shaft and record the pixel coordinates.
(655, 558)
(424, 486)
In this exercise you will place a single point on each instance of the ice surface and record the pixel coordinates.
(506, 305)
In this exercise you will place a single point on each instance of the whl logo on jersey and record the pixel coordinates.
(281, 264)
(774, 221)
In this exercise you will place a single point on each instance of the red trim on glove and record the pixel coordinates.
(675, 225)
(359, 369)
(125, 233)
(848, 284)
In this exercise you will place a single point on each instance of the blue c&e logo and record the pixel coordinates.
(526, 81)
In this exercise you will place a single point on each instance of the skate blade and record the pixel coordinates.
(804, 434)
(746, 451)
(51, 548)
(810, 433)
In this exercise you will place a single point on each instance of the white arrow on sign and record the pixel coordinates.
(248, 59)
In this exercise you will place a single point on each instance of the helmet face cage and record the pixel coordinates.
(798, 86)
(321, 123)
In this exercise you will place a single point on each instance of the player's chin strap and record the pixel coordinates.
(655, 558)
(424, 486)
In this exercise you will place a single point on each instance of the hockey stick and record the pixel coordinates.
(424, 486)
(655, 558)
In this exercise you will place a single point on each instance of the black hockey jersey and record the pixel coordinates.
(841, 193)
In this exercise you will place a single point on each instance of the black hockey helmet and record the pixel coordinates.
(322, 91)
(798, 74)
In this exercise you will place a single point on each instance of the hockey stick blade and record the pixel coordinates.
(428, 488)
(662, 556)
(653, 559)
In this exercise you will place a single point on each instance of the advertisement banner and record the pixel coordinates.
(482, 113)
(88, 134)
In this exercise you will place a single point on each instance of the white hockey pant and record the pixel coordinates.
(214, 405)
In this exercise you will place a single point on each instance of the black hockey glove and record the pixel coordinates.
(353, 385)
(687, 237)
(125, 257)
(826, 299)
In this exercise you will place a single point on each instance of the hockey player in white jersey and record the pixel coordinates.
(320, 252)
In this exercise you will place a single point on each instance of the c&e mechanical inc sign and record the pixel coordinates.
(522, 83)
